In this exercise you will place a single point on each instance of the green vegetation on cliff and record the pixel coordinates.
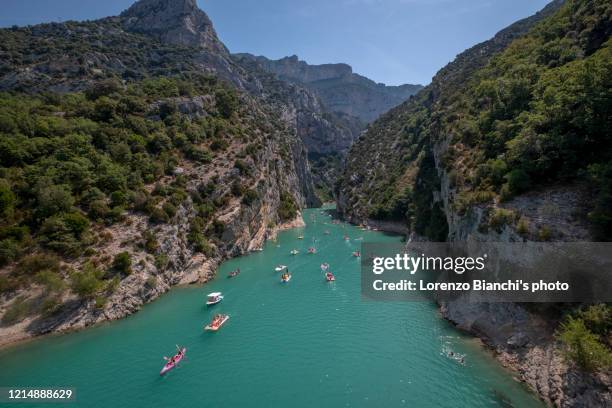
(539, 113)
(74, 164)
(529, 109)
(586, 337)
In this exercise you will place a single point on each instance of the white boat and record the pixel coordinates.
(280, 268)
(301, 237)
(324, 267)
(214, 298)
(294, 252)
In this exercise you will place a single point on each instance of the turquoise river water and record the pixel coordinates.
(303, 344)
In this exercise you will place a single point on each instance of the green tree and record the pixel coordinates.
(122, 263)
(227, 102)
(582, 346)
(88, 282)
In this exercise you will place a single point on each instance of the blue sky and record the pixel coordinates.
(390, 41)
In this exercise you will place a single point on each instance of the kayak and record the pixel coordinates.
(280, 268)
(173, 362)
(330, 277)
(216, 327)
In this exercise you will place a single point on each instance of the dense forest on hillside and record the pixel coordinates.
(71, 164)
(536, 114)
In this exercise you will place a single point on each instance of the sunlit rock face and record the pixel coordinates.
(177, 22)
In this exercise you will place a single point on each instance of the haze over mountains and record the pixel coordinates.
(339, 88)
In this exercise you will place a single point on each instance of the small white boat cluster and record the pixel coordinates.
(216, 297)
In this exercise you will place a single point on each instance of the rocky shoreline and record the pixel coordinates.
(522, 342)
(129, 298)
(525, 343)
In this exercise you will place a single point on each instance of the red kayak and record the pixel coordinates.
(330, 277)
(173, 362)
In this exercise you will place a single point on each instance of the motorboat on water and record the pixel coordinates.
(326, 232)
(301, 237)
(280, 268)
(294, 252)
(285, 277)
(312, 250)
(357, 254)
(234, 273)
(329, 277)
(346, 238)
(216, 323)
(173, 361)
(324, 266)
(214, 298)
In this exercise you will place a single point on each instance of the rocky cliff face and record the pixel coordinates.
(175, 22)
(327, 135)
(333, 106)
(339, 88)
(411, 167)
(236, 150)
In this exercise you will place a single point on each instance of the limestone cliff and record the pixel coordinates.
(175, 22)
(203, 158)
(339, 88)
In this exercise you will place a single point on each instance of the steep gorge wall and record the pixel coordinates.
(408, 168)
(264, 154)
(339, 88)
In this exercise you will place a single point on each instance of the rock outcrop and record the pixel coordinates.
(174, 22)
(327, 135)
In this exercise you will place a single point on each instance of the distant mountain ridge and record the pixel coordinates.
(340, 89)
